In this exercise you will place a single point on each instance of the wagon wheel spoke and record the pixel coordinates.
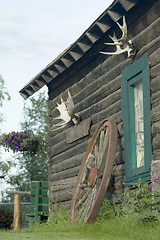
(93, 175)
(85, 208)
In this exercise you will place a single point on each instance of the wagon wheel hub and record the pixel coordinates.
(90, 177)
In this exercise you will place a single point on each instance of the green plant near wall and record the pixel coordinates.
(142, 200)
(108, 210)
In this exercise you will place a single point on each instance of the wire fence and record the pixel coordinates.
(24, 205)
(24, 210)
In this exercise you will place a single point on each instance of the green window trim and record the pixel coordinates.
(135, 74)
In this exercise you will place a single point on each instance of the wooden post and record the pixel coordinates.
(16, 222)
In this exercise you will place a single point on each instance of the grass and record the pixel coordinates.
(112, 229)
(110, 224)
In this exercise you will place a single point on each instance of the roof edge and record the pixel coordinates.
(76, 50)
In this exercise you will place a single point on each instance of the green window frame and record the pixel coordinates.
(132, 76)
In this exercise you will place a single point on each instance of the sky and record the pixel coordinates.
(32, 34)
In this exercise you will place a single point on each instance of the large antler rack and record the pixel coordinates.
(67, 113)
(122, 44)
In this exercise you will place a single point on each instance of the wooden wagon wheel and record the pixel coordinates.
(94, 174)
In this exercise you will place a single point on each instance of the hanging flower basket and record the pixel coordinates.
(24, 141)
(29, 145)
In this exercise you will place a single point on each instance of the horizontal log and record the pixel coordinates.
(140, 21)
(76, 76)
(120, 129)
(63, 146)
(67, 163)
(53, 136)
(155, 114)
(150, 32)
(105, 111)
(120, 144)
(103, 97)
(156, 142)
(155, 71)
(156, 155)
(104, 115)
(100, 76)
(103, 93)
(149, 48)
(155, 99)
(61, 196)
(119, 182)
(65, 174)
(119, 170)
(155, 86)
(61, 152)
(116, 117)
(155, 128)
(119, 158)
(155, 57)
(61, 187)
(62, 181)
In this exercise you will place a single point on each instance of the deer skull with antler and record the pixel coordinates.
(67, 113)
(122, 44)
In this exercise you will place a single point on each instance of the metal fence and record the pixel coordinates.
(24, 209)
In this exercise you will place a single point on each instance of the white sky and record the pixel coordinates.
(32, 34)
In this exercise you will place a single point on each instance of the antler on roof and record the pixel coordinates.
(126, 45)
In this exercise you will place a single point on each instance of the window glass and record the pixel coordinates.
(139, 123)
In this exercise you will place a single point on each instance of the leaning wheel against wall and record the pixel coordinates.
(94, 174)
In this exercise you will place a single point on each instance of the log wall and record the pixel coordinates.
(96, 91)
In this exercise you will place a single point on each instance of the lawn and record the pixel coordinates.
(113, 229)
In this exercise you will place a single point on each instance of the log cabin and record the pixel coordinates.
(122, 87)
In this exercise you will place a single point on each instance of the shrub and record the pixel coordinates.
(143, 200)
(108, 210)
(6, 217)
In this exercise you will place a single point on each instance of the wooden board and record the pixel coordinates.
(78, 131)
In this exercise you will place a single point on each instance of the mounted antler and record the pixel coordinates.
(67, 113)
(122, 44)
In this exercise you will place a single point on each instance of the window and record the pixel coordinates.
(135, 93)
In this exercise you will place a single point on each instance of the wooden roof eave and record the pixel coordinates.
(72, 54)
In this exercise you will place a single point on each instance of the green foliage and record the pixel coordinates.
(36, 115)
(59, 216)
(4, 95)
(113, 229)
(6, 217)
(32, 165)
(144, 201)
(108, 210)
